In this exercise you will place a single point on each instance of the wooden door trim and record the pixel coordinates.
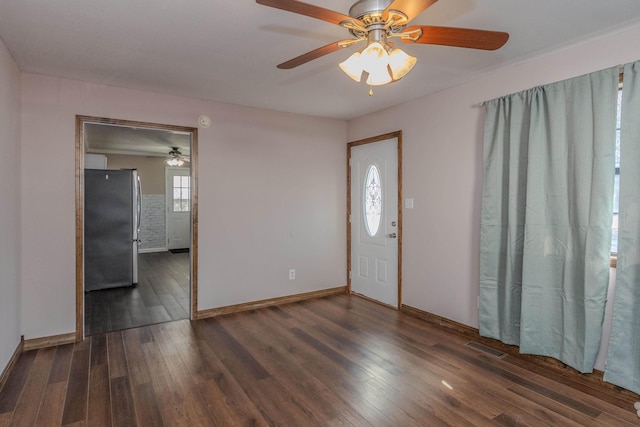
(350, 145)
(79, 211)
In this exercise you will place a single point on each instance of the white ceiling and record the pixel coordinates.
(228, 50)
(133, 141)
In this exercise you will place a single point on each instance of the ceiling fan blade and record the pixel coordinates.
(457, 37)
(310, 10)
(316, 53)
(411, 8)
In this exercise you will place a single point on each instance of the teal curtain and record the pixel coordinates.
(623, 358)
(546, 217)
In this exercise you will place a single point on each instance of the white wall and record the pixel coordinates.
(9, 207)
(271, 196)
(442, 170)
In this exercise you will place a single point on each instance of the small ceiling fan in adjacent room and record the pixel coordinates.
(377, 21)
(175, 158)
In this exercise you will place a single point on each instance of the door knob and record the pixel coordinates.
(393, 235)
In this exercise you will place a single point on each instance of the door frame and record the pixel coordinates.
(80, 121)
(350, 145)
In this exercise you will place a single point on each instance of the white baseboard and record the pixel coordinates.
(149, 250)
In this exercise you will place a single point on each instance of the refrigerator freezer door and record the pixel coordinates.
(108, 229)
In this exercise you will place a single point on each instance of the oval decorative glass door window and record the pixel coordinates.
(372, 200)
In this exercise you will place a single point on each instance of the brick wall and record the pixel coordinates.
(152, 223)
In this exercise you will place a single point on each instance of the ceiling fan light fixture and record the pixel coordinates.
(379, 75)
(381, 62)
(175, 162)
(175, 158)
(373, 55)
(400, 63)
(352, 67)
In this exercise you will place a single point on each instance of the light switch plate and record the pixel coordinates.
(408, 203)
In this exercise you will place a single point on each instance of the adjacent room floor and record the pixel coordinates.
(161, 295)
(335, 361)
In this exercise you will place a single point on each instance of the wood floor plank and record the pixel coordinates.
(137, 309)
(165, 393)
(158, 314)
(18, 376)
(99, 355)
(280, 312)
(120, 319)
(147, 293)
(175, 416)
(27, 408)
(172, 306)
(61, 364)
(138, 369)
(122, 408)
(99, 410)
(147, 410)
(50, 413)
(5, 418)
(116, 355)
(145, 335)
(75, 407)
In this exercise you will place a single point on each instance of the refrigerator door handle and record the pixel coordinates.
(139, 207)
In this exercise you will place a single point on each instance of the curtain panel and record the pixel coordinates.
(546, 217)
(623, 358)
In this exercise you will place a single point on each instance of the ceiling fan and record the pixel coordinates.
(376, 21)
(175, 157)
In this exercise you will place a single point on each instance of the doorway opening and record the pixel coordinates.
(121, 216)
(374, 219)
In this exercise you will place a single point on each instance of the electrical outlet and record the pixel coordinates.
(292, 274)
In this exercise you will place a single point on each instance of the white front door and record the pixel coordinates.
(178, 196)
(374, 220)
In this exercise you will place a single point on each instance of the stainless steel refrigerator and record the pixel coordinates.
(111, 228)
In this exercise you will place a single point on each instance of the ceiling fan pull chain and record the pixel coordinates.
(370, 90)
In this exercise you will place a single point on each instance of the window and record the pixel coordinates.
(181, 193)
(616, 185)
(372, 200)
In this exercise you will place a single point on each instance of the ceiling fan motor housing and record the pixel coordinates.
(370, 13)
(361, 8)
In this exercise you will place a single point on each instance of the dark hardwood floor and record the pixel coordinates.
(335, 361)
(161, 295)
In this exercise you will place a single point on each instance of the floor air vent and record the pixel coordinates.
(485, 349)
